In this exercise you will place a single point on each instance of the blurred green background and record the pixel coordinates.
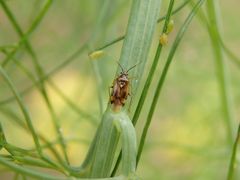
(187, 137)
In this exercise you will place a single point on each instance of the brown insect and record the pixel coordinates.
(120, 88)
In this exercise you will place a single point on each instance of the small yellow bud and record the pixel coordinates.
(170, 26)
(96, 54)
(163, 39)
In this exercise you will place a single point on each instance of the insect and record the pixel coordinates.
(120, 88)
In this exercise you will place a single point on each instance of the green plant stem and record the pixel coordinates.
(129, 145)
(153, 67)
(163, 76)
(221, 68)
(232, 164)
(32, 161)
(148, 81)
(37, 65)
(74, 57)
(32, 53)
(99, 82)
(71, 104)
(40, 136)
(96, 35)
(23, 108)
(47, 75)
(139, 36)
(20, 150)
(27, 171)
(73, 140)
(41, 175)
(120, 38)
(222, 74)
(18, 29)
(203, 19)
(24, 39)
(7, 46)
(57, 90)
(22, 125)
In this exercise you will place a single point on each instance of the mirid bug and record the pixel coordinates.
(120, 88)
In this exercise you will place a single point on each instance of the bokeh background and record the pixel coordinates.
(187, 137)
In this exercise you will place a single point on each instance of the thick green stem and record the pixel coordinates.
(129, 145)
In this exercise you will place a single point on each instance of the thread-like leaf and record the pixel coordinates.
(27, 171)
(221, 69)
(23, 108)
(120, 38)
(24, 37)
(164, 73)
(153, 67)
(46, 76)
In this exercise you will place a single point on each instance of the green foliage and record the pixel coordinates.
(115, 140)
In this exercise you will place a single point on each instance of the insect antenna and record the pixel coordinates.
(120, 66)
(132, 67)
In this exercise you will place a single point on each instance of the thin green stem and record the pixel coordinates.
(203, 19)
(74, 107)
(28, 73)
(31, 77)
(219, 46)
(19, 150)
(221, 69)
(24, 37)
(153, 67)
(232, 164)
(163, 75)
(7, 46)
(76, 54)
(72, 140)
(23, 108)
(22, 68)
(26, 171)
(22, 125)
(99, 82)
(32, 161)
(72, 104)
(39, 70)
(120, 38)
(47, 75)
